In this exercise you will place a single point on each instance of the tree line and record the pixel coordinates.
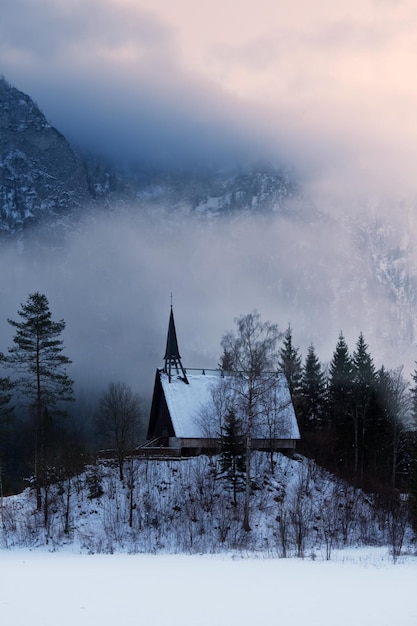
(355, 420)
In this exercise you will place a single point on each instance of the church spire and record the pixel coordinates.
(172, 355)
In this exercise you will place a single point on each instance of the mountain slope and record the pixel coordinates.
(40, 174)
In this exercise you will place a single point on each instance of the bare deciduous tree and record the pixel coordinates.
(251, 351)
(118, 420)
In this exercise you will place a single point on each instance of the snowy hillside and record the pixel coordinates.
(184, 507)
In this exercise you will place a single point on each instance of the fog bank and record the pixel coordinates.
(112, 278)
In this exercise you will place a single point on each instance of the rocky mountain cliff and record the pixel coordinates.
(41, 177)
(44, 182)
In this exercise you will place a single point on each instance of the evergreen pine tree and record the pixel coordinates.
(363, 392)
(36, 356)
(233, 453)
(290, 364)
(313, 388)
(340, 392)
(380, 426)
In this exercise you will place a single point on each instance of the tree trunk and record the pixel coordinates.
(394, 465)
(356, 445)
(120, 458)
(246, 524)
(37, 478)
(45, 505)
(67, 507)
(131, 507)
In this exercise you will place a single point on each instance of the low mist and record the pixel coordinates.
(112, 277)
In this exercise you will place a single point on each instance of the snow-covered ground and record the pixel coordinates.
(186, 560)
(357, 588)
(185, 507)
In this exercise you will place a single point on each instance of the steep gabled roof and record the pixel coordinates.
(183, 404)
(189, 406)
(186, 402)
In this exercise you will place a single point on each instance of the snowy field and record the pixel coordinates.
(356, 588)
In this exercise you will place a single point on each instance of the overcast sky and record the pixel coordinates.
(327, 86)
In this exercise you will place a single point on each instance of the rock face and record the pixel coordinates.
(40, 175)
(44, 183)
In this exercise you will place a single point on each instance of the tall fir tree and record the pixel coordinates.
(313, 388)
(290, 364)
(37, 358)
(380, 426)
(363, 393)
(233, 453)
(340, 390)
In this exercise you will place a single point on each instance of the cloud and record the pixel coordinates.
(323, 86)
(326, 88)
(109, 77)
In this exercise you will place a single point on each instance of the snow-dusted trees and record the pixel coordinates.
(251, 352)
(118, 420)
(41, 376)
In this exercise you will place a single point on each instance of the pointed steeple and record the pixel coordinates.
(172, 354)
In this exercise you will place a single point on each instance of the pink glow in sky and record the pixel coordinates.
(329, 85)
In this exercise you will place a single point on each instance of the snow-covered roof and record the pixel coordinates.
(185, 402)
(188, 404)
